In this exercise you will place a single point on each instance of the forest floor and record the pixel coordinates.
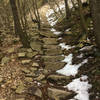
(55, 70)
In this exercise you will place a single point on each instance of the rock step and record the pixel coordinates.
(59, 79)
(56, 94)
(52, 58)
(50, 41)
(47, 34)
(54, 66)
(53, 52)
(36, 45)
(51, 46)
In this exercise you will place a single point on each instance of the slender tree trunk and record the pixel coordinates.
(95, 10)
(68, 14)
(17, 25)
(39, 21)
(83, 23)
(58, 7)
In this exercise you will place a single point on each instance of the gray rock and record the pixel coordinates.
(57, 94)
(35, 64)
(29, 50)
(54, 66)
(53, 58)
(31, 74)
(68, 33)
(20, 89)
(33, 69)
(28, 79)
(2, 99)
(40, 77)
(53, 52)
(36, 46)
(14, 87)
(59, 79)
(51, 47)
(11, 50)
(21, 99)
(5, 60)
(50, 40)
(35, 91)
(26, 61)
(25, 70)
(48, 34)
(1, 79)
(22, 54)
(31, 54)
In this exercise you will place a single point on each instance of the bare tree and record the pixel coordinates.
(68, 14)
(17, 25)
(82, 20)
(95, 10)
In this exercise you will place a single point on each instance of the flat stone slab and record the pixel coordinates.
(57, 94)
(51, 47)
(59, 79)
(53, 58)
(50, 40)
(54, 66)
(36, 46)
(52, 52)
(48, 34)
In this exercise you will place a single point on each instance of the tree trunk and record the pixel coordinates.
(83, 23)
(68, 14)
(17, 25)
(95, 10)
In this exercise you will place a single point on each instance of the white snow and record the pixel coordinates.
(75, 1)
(67, 47)
(67, 30)
(81, 87)
(86, 48)
(61, 6)
(80, 56)
(55, 32)
(51, 19)
(70, 69)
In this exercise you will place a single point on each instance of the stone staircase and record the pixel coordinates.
(47, 45)
(52, 52)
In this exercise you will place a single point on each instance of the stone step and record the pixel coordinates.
(59, 79)
(50, 41)
(36, 45)
(53, 58)
(47, 34)
(53, 52)
(51, 46)
(58, 94)
(54, 66)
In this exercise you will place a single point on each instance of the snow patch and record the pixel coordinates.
(64, 46)
(86, 48)
(80, 56)
(55, 32)
(51, 19)
(81, 87)
(70, 69)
